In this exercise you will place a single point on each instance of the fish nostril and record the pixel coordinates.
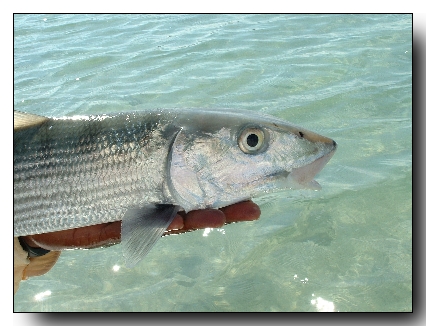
(334, 144)
(301, 134)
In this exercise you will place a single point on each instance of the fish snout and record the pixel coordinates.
(316, 138)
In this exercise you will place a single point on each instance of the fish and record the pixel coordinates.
(142, 167)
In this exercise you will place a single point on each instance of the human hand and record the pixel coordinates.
(110, 233)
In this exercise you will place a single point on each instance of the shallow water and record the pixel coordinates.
(347, 247)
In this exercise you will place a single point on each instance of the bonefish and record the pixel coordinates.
(142, 167)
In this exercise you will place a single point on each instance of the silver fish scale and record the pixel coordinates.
(73, 173)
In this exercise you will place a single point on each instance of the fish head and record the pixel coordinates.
(220, 159)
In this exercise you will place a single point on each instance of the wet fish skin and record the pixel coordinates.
(80, 171)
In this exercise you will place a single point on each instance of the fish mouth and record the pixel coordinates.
(304, 176)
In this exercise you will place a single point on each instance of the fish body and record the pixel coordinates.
(142, 167)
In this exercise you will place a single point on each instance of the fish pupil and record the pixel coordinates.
(252, 140)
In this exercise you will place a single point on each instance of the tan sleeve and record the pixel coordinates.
(24, 267)
(20, 262)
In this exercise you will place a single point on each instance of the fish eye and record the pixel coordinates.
(252, 140)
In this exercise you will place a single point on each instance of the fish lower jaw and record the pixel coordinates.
(294, 184)
(303, 177)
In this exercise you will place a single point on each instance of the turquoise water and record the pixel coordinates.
(347, 247)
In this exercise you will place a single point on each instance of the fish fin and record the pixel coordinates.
(23, 120)
(313, 185)
(142, 227)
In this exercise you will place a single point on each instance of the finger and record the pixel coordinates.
(200, 219)
(88, 237)
(206, 218)
(244, 211)
(177, 223)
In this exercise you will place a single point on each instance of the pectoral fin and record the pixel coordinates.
(142, 227)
